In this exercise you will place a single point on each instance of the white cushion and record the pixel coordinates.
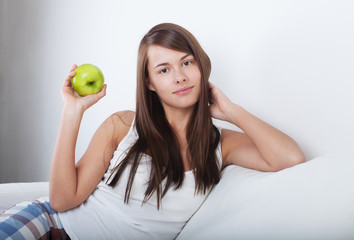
(313, 200)
(12, 193)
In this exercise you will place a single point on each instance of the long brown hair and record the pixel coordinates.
(156, 136)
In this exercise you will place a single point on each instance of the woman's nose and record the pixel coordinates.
(180, 80)
(180, 77)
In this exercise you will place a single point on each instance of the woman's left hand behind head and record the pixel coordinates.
(220, 104)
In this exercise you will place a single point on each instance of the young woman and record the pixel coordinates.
(145, 173)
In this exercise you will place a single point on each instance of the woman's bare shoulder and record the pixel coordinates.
(231, 137)
(120, 123)
(232, 141)
(124, 117)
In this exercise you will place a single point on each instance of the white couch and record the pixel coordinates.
(313, 200)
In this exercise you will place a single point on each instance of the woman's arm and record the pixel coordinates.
(261, 146)
(71, 184)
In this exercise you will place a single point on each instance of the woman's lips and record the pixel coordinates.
(183, 91)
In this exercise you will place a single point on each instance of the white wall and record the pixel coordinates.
(289, 62)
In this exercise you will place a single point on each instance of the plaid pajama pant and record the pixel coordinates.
(31, 220)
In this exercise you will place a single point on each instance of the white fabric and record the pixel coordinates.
(313, 200)
(104, 215)
(13, 193)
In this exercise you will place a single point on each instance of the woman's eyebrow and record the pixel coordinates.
(185, 56)
(164, 64)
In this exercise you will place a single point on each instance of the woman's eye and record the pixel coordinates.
(165, 70)
(187, 63)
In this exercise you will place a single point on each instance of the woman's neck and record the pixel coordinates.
(179, 119)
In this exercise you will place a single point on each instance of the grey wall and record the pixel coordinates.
(288, 62)
(27, 122)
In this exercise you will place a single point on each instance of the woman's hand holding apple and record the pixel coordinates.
(72, 99)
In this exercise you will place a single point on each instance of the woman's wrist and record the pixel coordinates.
(235, 114)
(72, 115)
(73, 109)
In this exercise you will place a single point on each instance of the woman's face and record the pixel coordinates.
(174, 76)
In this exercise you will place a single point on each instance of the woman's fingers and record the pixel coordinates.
(71, 74)
(92, 99)
(211, 85)
(220, 103)
(73, 67)
(100, 94)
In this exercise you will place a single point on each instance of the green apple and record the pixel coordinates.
(87, 80)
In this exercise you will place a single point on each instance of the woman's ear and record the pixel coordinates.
(149, 85)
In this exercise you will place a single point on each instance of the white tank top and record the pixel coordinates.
(104, 215)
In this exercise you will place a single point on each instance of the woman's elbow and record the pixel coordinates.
(292, 160)
(297, 158)
(58, 204)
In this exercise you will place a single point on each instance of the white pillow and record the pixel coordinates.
(12, 193)
(313, 200)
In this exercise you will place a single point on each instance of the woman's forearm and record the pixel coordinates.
(63, 177)
(278, 149)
